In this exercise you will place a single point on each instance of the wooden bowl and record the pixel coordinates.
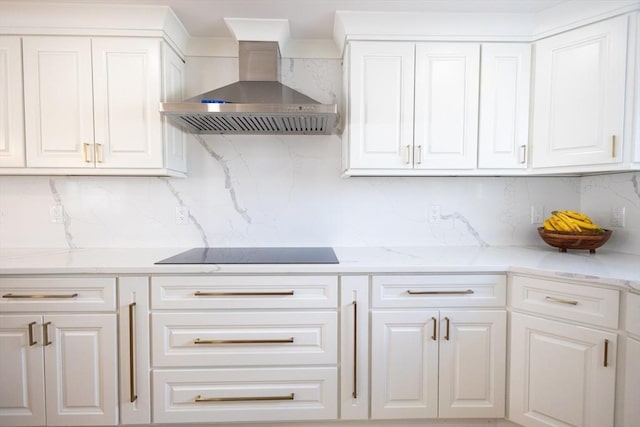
(564, 240)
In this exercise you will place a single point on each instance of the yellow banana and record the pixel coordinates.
(558, 224)
(587, 225)
(571, 223)
(547, 225)
(577, 215)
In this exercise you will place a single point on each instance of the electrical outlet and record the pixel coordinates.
(182, 215)
(434, 214)
(617, 217)
(56, 214)
(537, 214)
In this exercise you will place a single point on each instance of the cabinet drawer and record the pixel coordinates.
(633, 313)
(180, 396)
(568, 301)
(244, 338)
(477, 290)
(57, 294)
(244, 292)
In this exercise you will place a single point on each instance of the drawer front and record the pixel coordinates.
(473, 290)
(565, 300)
(227, 395)
(244, 292)
(633, 313)
(244, 338)
(57, 294)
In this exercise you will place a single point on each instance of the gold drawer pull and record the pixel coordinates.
(85, 155)
(434, 336)
(32, 342)
(39, 296)
(45, 333)
(281, 341)
(560, 300)
(606, 353)
(446, 336)
(200, 399)
(467, 292)
(132, 353)
(240, 294)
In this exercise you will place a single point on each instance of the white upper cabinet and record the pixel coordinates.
(11, 103)
(446, 105)
(504, 106)
(381, 105)
(91, 105)
(579, 98)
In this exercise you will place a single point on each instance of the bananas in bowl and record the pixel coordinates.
(573, 230)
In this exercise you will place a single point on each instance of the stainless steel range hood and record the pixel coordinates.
(257, 104)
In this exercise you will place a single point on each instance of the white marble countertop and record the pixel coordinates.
(604, 267)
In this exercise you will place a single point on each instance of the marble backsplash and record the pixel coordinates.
(287, 190)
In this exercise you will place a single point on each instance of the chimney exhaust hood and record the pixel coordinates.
(257, 104)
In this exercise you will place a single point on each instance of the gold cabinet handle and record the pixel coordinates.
(446, 335)
(31, 341)
(354, 394)
(408, 160)
(200, 399)
(85, 152)
(39, 296)
(98, 152)
(613, 145)
(240, 294)
(561, 301)
(132, 362)
(467, 292)
(606, 353)
(435, 328)
(272, 341)
(45, 332)
(418, 156)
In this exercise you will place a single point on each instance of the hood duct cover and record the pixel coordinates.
(257, 104)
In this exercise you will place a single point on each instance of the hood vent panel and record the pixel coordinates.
(256, 124)
(251, 106)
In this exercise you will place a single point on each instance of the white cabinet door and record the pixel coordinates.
(58, 101)
(404, 364)
(504, 105)
(580, 95)
(11, 103)
(472, 364)
(446, 105)
(381, 105)
(135, 388)
(175, 139)
(632, 383)
(126, 82)
(21, 371)
(354, 356)
(81, 375)
(561, 374)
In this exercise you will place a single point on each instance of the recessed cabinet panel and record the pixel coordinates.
(173, 91)
(21, 371)
(58, 97)
(579, 96)
(11, 103)
(81, 373)
(127, 82)
(504, 105)
(446, 105)
(561, 374)
(381, 105)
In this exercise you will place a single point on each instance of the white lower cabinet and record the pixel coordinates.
(58, 362)
(563, 368)
(216, 357)
(429, 362)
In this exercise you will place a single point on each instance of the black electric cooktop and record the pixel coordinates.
(317, 255)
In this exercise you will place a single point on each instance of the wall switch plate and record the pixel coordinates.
(56, 214)
(182, 215)
(617, 217)
(434, 214)
(537, 214)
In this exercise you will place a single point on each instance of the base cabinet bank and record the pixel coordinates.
(448, 349)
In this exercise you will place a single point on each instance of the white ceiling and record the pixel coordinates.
(311, 19)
